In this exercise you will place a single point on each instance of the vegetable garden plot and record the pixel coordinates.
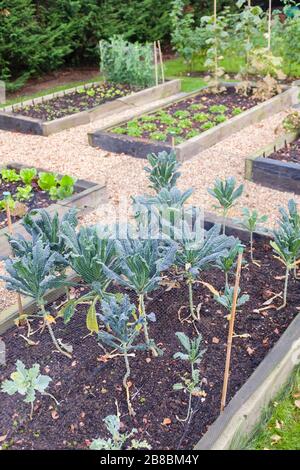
(277, 166)
(86, 386)
(77, 106)
(193, 123)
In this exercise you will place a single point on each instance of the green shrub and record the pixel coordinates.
(125, 62)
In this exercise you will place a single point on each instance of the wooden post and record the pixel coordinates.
(161, 62)
(269, 25)
(155, 63)
(230, 330)
(216, 52)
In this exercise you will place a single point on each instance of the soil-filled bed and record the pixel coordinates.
(288, 153)
(75, 102)
(87, 386)
(189, 117)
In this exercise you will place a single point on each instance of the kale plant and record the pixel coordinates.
(226, 299)
(141, 265)
(251, 221)
(198, 256)
(226, 194)
(192, 354)
(227, 261)
(163, 171)
(122, 330)
(118, 440)
(27, 382)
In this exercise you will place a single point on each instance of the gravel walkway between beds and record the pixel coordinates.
(69, 152)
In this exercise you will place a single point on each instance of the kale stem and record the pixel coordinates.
(251, 246)
(54, 340)
(146, 332)
(287, 272)
(125, 384)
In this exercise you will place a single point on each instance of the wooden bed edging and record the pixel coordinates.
(28, 125)
(105, 139)
(275, 174)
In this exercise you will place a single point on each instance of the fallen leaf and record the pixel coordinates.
(297, 404)
(215, 340)
(148, 360)
(275, 438)
(74, 364)
(210, 288)
(296, 395)
(50, 319)
(166, 422)
(276, 331)
(54, 414)
(2, 438)
(250, 351)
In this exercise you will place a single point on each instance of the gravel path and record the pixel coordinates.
(69, 152)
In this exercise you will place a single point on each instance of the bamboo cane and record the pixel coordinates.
(155, 62)
(10, 229)
(230, 331)
(269, 25)
(216, 52)
(161, 62)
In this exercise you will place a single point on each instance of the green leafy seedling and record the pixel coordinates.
(252, 221)
(27, 382)
(27, 175)
(192, 354)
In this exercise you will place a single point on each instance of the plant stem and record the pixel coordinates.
(226, 278)
(146, 332)
(251, 246)
(31, 411)
(286, 281)
(125, 384)
(54, 340)
(225, 212)
(191, 301)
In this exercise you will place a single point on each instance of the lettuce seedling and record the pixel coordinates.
(141, 264)
(27, 382)
(47, 181)
(24, 193)
(251, 221)
(64, 189)
(193, 354)
(163, 172)
(197, 256)
(27, 175)
(122, 330)
(117, 440)
(10, 175)
(226, 194)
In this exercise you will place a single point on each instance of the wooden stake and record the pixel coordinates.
(161, 62)
(269, 25)
(155, 62)
(230, 331)
(173, 142)
(10, 229)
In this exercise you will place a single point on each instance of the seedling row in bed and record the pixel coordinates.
(138, 344)
(71, 103)
(187, 118)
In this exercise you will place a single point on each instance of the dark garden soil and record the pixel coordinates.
(88, 385)
(289, 153)
(75, 102)
(188, 118)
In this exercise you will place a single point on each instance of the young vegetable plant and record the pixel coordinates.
(27, 175)
(163, 171)
(286, 243)
(193, 354)
(195, 257)
(24, 193)
(122, 330)
(118, 440)
(64, 189)
(251, 221)
(89, 250)
(47, 181)
(227, 261)
(226, 299)
(34, 274)
(226, 194)
(10, 175)
(141, 264)
(27, 382)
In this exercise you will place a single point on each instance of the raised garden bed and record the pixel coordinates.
(277, 165)
(63, 110)
(86, 196)
(87, 385)
(196, 122)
